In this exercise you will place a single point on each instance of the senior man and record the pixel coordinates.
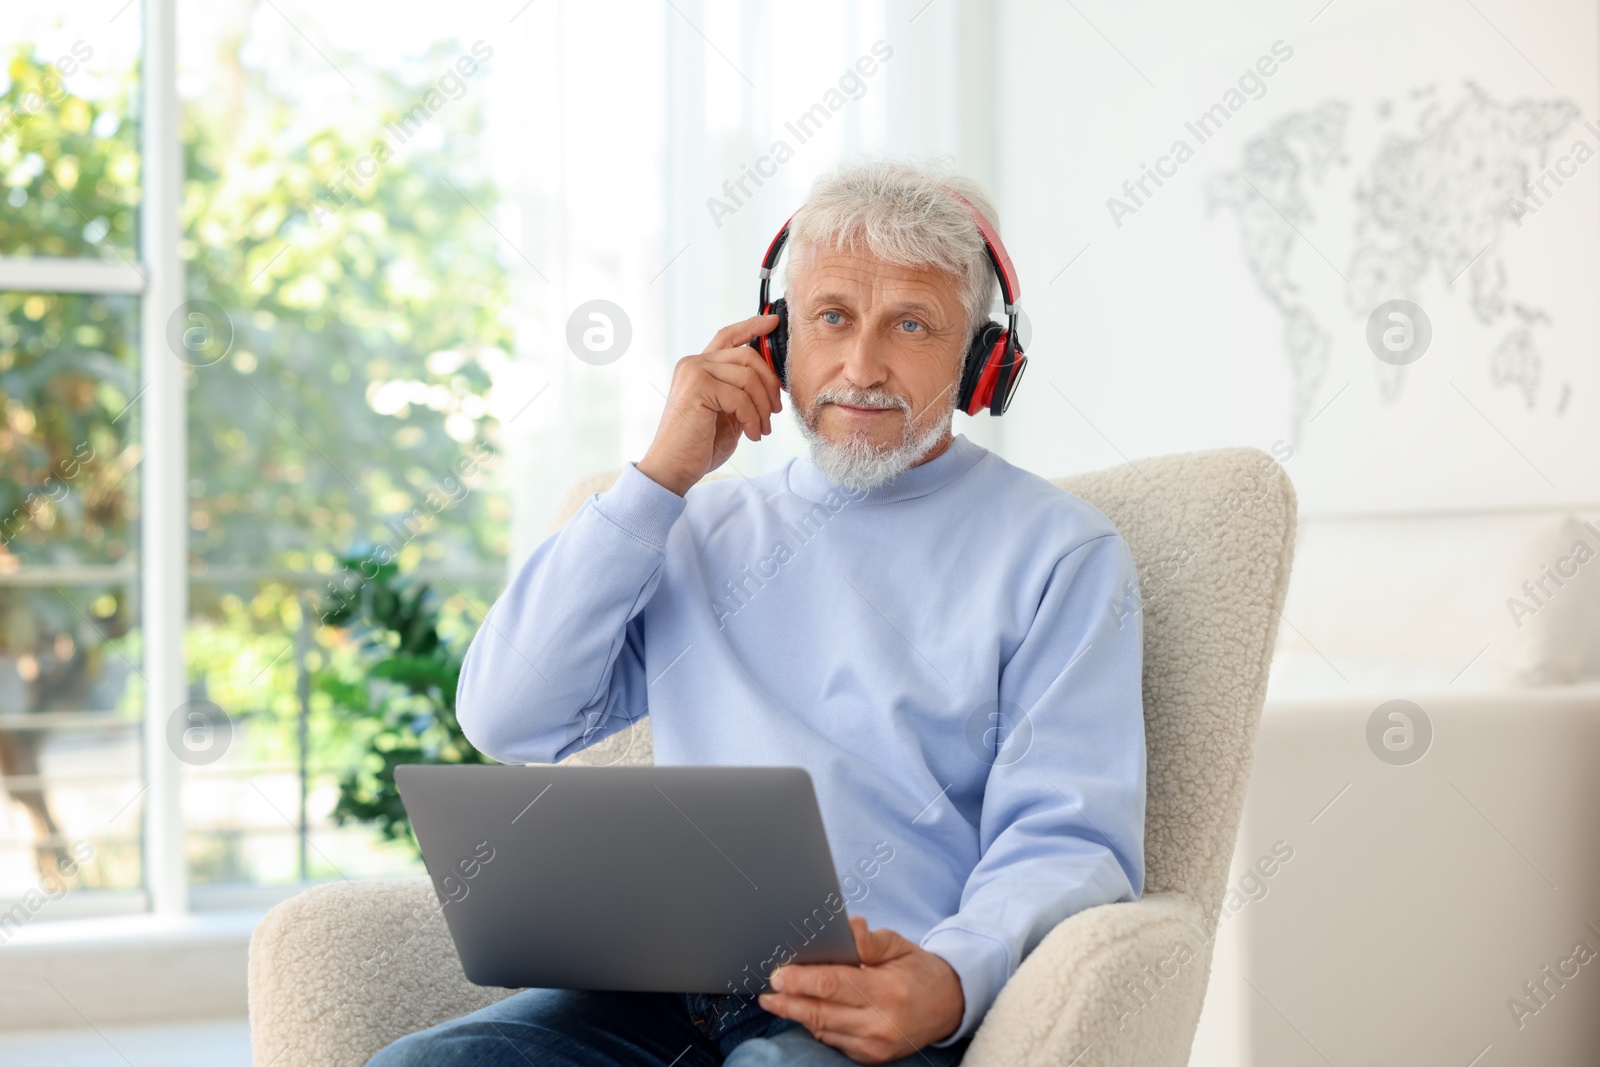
(943, 640)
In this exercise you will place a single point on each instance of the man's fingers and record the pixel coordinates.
(742, 356)
(838, 983)
(863, 1034)
(721, 398)
(814, 1015)
(735, 401)
(741, 332)
(864, 946)
(877, 946)
(750, 382)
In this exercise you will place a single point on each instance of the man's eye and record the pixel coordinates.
(832, 318)
(911, 325)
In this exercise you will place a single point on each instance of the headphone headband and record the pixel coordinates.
(770, 260)
(999, 258)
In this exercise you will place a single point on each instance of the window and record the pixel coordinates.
(72, 675)
(348, 297)
(288, 284)
(301, 323)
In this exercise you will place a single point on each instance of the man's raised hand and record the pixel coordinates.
(726, 390)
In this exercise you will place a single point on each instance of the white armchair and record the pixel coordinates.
(341, 970)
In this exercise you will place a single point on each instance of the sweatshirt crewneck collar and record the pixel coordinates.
(805, 478)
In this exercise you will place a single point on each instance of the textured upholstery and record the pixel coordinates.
(341, 970)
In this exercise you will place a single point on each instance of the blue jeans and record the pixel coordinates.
(580, 1028)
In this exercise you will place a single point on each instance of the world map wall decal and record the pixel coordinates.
(1452, 178)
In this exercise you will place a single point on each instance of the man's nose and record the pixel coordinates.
(864, 366)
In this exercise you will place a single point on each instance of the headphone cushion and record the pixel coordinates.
(777, 342)
(774, 346)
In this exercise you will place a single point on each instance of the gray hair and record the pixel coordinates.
(902, 214)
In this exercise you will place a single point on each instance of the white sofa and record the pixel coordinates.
(1420, 901)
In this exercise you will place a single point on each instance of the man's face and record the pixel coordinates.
(875, 350)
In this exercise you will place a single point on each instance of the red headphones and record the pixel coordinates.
(994, 361)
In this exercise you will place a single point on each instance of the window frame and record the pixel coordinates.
(158, 280)
(163, 518)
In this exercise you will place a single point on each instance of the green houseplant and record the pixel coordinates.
(404, 698)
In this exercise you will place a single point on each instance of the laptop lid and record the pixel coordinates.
(655, 879)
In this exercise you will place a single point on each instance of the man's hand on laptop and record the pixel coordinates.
(899, 999)
(726, 390)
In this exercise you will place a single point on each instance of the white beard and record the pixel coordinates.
(859, 465)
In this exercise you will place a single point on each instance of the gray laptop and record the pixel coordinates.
(654, 879)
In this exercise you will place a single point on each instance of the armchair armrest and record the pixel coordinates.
(1120, 985)
(341, 970)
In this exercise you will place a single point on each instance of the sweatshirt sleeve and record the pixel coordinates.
(1062, 827)
(558, 663)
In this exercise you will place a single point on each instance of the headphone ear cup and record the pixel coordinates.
(1018, 365)
(777, 341)
(774, 346)
(978, 355)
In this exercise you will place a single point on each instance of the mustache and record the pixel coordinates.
(863, 398)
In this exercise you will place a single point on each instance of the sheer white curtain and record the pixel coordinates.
(658, 148)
